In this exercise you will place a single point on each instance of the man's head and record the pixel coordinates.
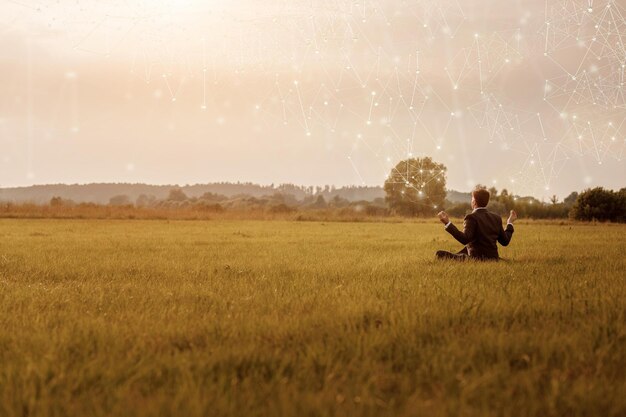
(480, 197)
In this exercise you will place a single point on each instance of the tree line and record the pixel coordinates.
(595, 204)
(415, 187)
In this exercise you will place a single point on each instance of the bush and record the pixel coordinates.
(497, 207)
(119, 200)
(376, 211)
(459, 210)
(209, 207)
(281, 208)
(61, 202)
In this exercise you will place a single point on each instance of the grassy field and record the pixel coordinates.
(272, 318)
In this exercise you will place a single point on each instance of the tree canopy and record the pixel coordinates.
(416, 186)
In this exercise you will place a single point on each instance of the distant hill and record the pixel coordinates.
(458, 197)
(102, 193)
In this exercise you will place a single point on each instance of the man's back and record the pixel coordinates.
(481, 233)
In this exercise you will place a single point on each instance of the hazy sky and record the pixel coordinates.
(528, 95)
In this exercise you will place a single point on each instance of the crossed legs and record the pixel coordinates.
(459, 256)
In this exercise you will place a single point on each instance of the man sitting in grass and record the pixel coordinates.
(481, 231)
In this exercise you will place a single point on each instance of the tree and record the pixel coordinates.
(119, 200)
(599, 204)
(145, 200)
(61, 202)
(337, 201)
(621, 205)
(570, 199)
(554, 199)
(319, 203)
(416, 186)
(176, 194)
(506, 199)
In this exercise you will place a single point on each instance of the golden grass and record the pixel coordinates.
(251, 318)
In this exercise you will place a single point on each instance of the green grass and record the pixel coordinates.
(243, 318)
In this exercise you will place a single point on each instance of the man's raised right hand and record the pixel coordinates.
(512, 217)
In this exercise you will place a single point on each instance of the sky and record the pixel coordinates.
(524, 95)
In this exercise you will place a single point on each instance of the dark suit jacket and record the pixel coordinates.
(481, 232)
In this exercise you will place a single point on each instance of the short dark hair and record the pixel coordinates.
(481, 195)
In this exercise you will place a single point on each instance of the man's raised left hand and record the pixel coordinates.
(443, 217)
